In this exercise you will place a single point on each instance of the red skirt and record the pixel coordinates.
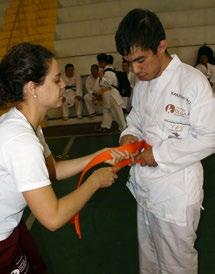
(18, 253)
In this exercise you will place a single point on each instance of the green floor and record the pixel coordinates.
(108, 223)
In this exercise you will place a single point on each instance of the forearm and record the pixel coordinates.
(52, 212)
(68, 168)
(72, 203)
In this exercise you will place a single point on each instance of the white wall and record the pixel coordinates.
(87, 27)
(3, 6)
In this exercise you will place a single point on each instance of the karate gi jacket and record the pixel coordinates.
(175, 114)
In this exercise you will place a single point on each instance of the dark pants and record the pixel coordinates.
(18, 253)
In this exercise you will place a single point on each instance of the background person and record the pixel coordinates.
(204, 63)
(92, 85)
(173, 110)
(30, 78)
(111, 99)
(73, 93)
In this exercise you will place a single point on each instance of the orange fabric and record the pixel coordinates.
(102, 157)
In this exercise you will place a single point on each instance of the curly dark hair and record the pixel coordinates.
(139, 28)
(24, 62)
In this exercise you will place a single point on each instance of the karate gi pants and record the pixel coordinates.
(167, 248)
(112, 110)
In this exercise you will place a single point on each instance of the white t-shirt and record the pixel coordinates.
(22, 167)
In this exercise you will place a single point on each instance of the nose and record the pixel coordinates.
(136, 68)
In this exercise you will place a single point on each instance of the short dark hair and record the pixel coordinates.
(69, 66)
(205, 50)
(24, 62)
(110, 59)
(139, 28)
(102, 57)
(95, 66)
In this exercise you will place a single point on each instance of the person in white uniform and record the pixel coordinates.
(73, 94)
(92, 85)
(111, 98)
(173, 111)
(27, 166)
(204, 64)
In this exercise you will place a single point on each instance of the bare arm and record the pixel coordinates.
(59, 170)
(54, 213)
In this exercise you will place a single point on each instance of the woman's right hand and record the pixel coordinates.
(103, 177)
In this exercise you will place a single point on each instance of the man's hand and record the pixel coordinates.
(146, 158)
(128, 139)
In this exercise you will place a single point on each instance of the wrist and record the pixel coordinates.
(93, 184)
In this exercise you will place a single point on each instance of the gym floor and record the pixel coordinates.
(108, 221)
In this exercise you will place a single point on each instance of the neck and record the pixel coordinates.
(165, 60)
(32, 115)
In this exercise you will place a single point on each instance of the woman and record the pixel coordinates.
(30, 78)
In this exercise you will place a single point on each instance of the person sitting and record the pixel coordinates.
(72, 92)
(92, 85)
(111, 98)
(204, 64)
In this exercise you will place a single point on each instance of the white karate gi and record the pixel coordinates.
(175, 114)
(75, 84)
(111, 101)
(92, 85)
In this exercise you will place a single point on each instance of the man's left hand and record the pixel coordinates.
(146, 158)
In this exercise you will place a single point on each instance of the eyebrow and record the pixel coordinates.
(135, 60)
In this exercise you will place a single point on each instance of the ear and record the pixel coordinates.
(162, 46)
(30, 89)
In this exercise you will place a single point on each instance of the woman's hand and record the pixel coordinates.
(103, 177)
(117, 156)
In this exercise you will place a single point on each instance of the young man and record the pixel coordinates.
(173, 110)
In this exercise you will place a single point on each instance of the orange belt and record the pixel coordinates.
(102, 157)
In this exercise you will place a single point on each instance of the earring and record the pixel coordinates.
(34, 95)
